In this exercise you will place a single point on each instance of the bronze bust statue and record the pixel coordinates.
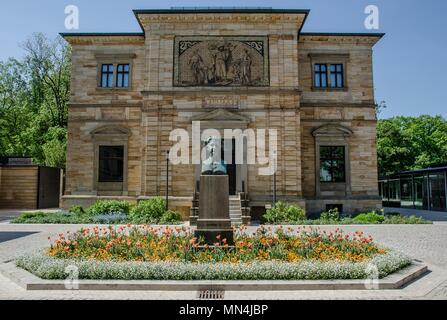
(213, 165)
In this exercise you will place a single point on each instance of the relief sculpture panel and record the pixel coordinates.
(221, 61)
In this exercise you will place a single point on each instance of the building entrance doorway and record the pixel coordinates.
(231, 167)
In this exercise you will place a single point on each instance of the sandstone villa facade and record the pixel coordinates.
(228, 69)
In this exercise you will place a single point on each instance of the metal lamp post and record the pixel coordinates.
(167, 180)
(274, 179)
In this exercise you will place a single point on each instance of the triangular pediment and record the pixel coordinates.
(220, 115)
(332, 130)
(111, 130)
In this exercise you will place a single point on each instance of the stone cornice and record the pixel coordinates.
(104, 39)
(104, 105)
(158, 20)
(360, 38)
(199, 91)
(336, 105)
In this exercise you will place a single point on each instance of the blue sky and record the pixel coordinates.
(410, 63)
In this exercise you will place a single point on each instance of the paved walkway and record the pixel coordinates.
(423, 242)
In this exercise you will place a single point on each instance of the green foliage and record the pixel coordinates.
(108, 207)
(148, 211)
(285, 213)
(52, 268)
(55, 149)
(50, 218)
(330, 215)
(405, 220)
(409, 143)
(77, 210)
(34, 94)
(106, 212)
(170, 217)
(109, 218)
(370, 218)
(29, 216)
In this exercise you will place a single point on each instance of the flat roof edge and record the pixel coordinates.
(101, 34)
(217, 10)
(343, 34)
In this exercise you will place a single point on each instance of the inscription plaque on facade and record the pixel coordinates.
(225, 102)
(221, 61)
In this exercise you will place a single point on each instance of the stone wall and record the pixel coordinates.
(351, 107)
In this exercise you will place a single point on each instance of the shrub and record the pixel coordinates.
(370, 218)
(109, 218)
(405, 220)
(61, 217)
(285, 213)
(24, 217)
(77, 210)
(148, 211)
(171, 217)
(109, 207)
(331, 215)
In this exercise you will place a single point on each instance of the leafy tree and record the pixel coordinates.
(410, 143)
(34, 95)
(49, 65)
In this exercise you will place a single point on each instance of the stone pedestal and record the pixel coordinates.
(214, 213)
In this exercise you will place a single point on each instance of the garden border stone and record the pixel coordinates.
(31, 282)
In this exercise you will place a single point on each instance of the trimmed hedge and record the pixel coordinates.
(50, 268)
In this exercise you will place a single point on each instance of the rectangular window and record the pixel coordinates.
(332, 164)
(111, 161)
(107, 76)
(122, 75)
(337, 80)
(320, 75)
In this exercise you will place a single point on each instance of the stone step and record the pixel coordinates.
(235, 210)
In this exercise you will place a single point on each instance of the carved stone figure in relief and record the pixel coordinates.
(213, 61)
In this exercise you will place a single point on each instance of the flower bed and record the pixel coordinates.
(51, 268)
(107, 212)
(289, 214)
(174, 253)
